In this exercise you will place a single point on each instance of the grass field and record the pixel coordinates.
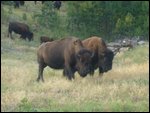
(124, 88)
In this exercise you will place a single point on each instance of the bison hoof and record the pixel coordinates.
(37, 79)
(70, 78)
(42, 80)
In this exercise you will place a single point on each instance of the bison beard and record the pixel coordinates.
(67, 54)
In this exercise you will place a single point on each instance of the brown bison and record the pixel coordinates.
(103, 56)
(44, 39)
(67, 54)
(20, 28)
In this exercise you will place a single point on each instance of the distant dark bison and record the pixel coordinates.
(20, 28)
(67, 54)
(18, 3)
(44, 39)
(57, 4)
(103, 56)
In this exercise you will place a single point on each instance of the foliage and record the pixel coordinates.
(83, 19)
(106, 18)
(49, 18)
(25, 105)
(24, 16)
(7, 2)
(102, 18)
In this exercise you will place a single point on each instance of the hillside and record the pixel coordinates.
(124, 88)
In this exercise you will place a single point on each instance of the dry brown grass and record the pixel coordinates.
(118, 85)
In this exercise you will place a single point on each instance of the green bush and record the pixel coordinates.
(24, 16)
(25, 106)
(7, 2)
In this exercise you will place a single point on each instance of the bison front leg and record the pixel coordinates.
(10, 33)
(64, 72)
(69, 73)
(100, 71)
(68, 70)
(40, 74)
(91, 71)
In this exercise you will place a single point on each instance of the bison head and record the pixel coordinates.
(83, 62)
(106, 60)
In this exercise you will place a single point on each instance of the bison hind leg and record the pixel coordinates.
(40, 74)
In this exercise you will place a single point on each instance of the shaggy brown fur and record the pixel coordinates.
(102, 56)
(68, 54)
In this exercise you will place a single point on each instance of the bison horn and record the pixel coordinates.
(116, 50)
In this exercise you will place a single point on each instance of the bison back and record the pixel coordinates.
(53, 53)
(19, 28)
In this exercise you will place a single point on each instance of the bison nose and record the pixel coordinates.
(83, 73)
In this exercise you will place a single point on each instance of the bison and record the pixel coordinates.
(103, 56)
(20, 28)
(44, 39)
(67, 54)
(57, 4)
(18, 3)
